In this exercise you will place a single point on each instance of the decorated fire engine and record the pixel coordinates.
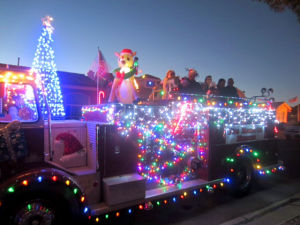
(121, 159)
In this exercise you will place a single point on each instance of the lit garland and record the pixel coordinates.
(45, 69)
(168, 139)
(169, 136)
(158, 203)
(254, 155)
(48, 177)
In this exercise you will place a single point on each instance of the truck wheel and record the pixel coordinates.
(36, 212)
(242, 177)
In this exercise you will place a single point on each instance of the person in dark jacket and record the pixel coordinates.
(189, 84)
(230, 90)
(208, 87)
(220, 87)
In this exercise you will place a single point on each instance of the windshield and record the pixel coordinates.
(17, 102)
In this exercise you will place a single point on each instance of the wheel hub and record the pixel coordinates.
(34, 213)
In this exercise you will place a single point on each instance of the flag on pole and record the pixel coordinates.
(98, 68)
(293, 100)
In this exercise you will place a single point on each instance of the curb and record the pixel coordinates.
(250, 217)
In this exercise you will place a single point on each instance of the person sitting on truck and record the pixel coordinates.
(230, 90)
(189, 84)
(169, 83)
(220, 87)
(208, 87)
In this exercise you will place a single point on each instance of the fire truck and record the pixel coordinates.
(121, 159)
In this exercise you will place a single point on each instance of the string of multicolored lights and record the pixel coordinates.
(257, 161)
(48, 176)
(168, 136)
(209, 188)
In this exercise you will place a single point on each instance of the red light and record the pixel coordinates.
(165, 201)
(201, 190)
(141, 207)
(117, 214)
(215, 186)
(238, 154)
(276, 130)
(181, 196)
(231, 170)
(54, 178)
(25, 182)
(257, 160)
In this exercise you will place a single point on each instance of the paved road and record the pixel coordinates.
(220, 207)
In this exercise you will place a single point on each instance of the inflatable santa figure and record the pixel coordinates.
(124, 86)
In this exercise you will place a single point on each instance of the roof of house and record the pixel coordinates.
(76, 79)
(65, 78)
(281, 104)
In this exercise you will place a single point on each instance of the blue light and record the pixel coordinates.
(40, 179)
(174, 199)
(129, 211)
(227, 180)
(85, 210)
(46, 74)
(150, 83)
(195, 192)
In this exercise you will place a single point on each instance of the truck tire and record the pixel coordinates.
(36, 212)
(241, 177)
(38, 209)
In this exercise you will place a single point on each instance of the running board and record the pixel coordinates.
(181, 190)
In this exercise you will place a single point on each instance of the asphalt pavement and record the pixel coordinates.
(284, 212)
(274, 192)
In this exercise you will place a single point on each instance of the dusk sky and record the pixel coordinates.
(244, 39)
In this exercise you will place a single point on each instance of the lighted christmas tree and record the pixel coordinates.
(46, 74)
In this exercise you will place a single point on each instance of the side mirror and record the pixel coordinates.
(263, 91)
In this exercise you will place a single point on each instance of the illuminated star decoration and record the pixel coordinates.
(47, 20)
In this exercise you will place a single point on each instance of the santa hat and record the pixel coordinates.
(126, 51)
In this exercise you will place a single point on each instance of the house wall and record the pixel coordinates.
(76, 97)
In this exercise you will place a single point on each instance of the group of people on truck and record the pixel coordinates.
(189, 85)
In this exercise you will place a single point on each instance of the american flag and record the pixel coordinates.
(98, 68)
(293, 100)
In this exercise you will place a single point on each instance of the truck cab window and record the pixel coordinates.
(18, 103)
